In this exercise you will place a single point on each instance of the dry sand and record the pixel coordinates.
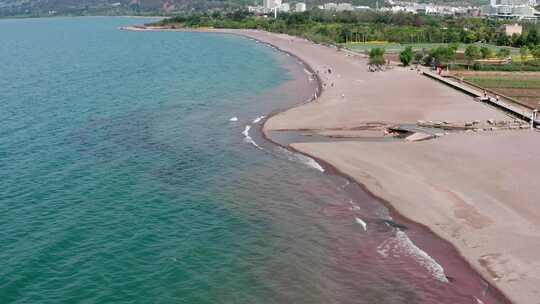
(477, 191)
(480, 191)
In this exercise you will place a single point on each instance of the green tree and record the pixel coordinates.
(376, 56)
(503, 53)
(502, 39)
(453, 46)
(418, 56)
(472, 52)
(536, 52)
(516, 40)
(442, 54)
(469, 37)
(524, 53)
(486, 52)
(532, 37)
(406, 56)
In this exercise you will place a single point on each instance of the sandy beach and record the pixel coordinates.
(477, 190)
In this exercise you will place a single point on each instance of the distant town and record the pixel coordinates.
(508, 9)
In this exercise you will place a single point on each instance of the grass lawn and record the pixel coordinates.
(506, 82)
(392, 47)
(524, 86)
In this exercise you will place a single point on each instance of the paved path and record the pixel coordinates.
(518, 110)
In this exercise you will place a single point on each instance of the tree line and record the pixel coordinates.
(365, 26)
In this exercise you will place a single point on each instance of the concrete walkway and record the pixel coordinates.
(513, 108)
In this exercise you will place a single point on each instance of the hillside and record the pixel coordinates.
(109, 7)
(145, 7)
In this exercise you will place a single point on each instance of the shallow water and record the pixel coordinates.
(124, 179)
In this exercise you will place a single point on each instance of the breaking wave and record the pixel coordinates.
(402, 244)
(297, 157)
(361, 222)
(258, 119)
(248, 138)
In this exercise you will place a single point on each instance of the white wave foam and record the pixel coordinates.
(246, 131)
(384, 248)
(233, 118)
(361, 222)
(248, 138)
(354, 207)
(307, 72)
(258, 119)
(310, 162)
(297, 157)
(478, 301)
(421, 256)
(403, 244)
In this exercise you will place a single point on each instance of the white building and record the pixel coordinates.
(300, 7)
(362, 8)
(340, 7)
(511, 29)
(284, 7)
(259, 10)
(345, 7)
(520, 9)
(330, 6)
(430, 9)
(271, 4)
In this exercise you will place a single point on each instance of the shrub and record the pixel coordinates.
(472, 52)
(406, 56)
(418, 57)
(486, 52)
(503, 53)
(376, 56)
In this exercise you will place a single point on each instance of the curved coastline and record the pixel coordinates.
(331, 169)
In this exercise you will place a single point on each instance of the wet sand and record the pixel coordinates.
(476, 190)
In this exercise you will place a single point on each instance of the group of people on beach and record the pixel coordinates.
(325, 71)
(328, 71)
(375, 68)
(486, 97)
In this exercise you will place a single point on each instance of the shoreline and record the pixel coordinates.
(329, 165)
(367, 182)
(333, 170)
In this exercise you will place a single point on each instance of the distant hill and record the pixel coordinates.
(147, 7)
(109, 7)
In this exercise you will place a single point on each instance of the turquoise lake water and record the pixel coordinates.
(123, 179)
